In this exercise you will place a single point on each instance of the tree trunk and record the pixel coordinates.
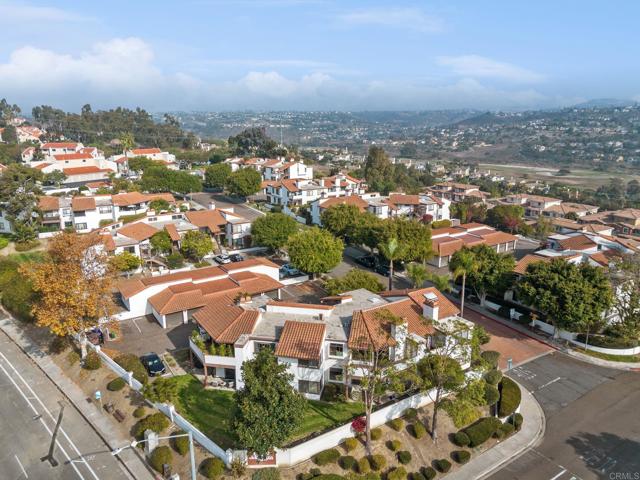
(368, 404)
(464, 285)
(434, 419)
(390, 274)
(82, 340)
(586, 340)
(483, 298)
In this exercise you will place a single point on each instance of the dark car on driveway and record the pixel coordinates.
(236, 257)
(153, 364)
(382, 269)
(368, 261)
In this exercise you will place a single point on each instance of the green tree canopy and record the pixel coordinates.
(354, 280)
(378, 171)
(418, 273)
(159, 205)
(254, 141)
(273, 230)
(196, 244)
(625, 274)
(505, 217)
(268, 412)
(413, 237)
(244, 182)
(216, 175)
(315, 251)
(125, 262)
(492, 271)
(161, 242)
(571, 296)
(158, 178)
(342, 220)
(19, 192)
(140, 164)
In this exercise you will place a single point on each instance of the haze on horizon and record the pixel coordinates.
(317, 54)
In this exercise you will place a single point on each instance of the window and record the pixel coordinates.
(66, 212)
(261, 345)
(106, 209)
(336, 350)
(336, 374)
(176, 217)
(153, 219)
(304, 386)
(81, 226)
(308, 363)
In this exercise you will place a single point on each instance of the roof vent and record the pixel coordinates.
(430, 296)
(374, 299)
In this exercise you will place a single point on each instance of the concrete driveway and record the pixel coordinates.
(225, 202)
(144, 334)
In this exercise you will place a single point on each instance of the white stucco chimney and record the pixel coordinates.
(212, 206)
(431, 307)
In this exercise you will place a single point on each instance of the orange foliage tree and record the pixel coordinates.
(74, 286)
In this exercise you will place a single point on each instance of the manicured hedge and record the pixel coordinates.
(270, 473)
(180, 444)
(506, 429)
(159, 457)
(212, 468)
(429, 473)
(410, 414)
(376, 433)
(418, 430)
(491, 394)
(378, 462)
(404, 457)
(396, 424)
(394, 445)
(350, 444)
(156, 422)
(491, 357)
(348, 462)
(517, 421)
(398, 473)
(139, 412)
(326, 457)
(461, 439)
(442, 465)
(461, 456)
(493, 377)
(605, 341)
(482, 430)
(131, 363)
(417, 476)
(116, 384)
(364, 466)
(510, 397)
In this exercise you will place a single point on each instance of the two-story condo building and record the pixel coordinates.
(292, 192)
(458, 192)
(538, 205)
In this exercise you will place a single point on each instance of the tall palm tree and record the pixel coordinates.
(127, 141)
(462, 263)
(392, 251)
(441, 282)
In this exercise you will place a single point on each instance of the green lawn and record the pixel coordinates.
(211, 411)
(612, 358)
(22, 257)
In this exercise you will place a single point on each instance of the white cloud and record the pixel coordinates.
(11, 12)
(406, 18)
(122, 71)
(477, 66)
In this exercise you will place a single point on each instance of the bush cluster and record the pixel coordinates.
(364, 466)
(461, 439)
(417, 476)
(131, 363)
(376, 433)
(378, 462)
(156, 422)
(418, 430)
(326, 457)
(404, 457)
(332, 392)
(482, 430)
(73, 357)
(517, 421)
(510, 397)
(394, 445)
(410, 414)
(116, 384)
(429, 473)
(348, 462)
(491, 357)
(504, 430)
(92, 361)
(491, 394)
(350, 444)
(606, 341)
(270, 473)
(159, 457)
(396, 424)
(493, 377)
(442, 465)
(180, 444)
(212, 468)
(139, 412)
(398, 473)
(461, 456)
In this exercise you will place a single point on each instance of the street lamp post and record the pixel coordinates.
(49, 457)
(192, 455)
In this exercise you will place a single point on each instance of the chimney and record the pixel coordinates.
(430, 307)
(212, 206)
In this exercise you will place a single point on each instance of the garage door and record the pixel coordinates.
(174, 319)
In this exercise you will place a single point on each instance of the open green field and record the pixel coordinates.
(579, 177)
(211, 411)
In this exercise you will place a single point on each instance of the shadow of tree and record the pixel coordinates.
(606, 454)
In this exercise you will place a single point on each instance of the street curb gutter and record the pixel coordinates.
(134, 466)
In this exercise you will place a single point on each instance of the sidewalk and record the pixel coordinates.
(133, 463)
(504, 452)
(550, 341)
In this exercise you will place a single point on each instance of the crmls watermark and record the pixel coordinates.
(624, 476)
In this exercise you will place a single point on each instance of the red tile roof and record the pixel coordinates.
(145, 151)
(73, 156)
(349, 200)
(84, 170)
(48, 204)
(524, 262)
(578, 242)
(301, 340)
(49, 145)
(81, 204)
(172, 231)
(211, 219)
(139, 231)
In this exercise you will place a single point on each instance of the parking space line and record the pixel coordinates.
(562, 472)
(549, 383)
(24, 472)
(134, 322)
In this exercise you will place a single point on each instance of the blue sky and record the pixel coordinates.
(318, 54)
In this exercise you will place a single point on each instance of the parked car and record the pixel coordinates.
(153, 364)
(368, 261)
(222, 259)
(382, 269)
(288, 270)
(236, 257)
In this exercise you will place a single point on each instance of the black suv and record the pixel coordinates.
(368, 261)
(153, 364)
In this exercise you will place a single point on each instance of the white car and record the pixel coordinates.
(222, 259)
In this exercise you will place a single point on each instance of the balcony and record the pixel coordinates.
(201, 350)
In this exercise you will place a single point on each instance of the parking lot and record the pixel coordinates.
(144, 334)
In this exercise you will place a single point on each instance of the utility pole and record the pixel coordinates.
(49, 457)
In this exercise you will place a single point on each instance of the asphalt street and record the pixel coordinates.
(225, 202)
(28, 412)
(593, 427)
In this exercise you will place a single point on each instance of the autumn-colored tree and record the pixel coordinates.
(73, 286)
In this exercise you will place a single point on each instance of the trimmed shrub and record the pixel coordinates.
(418, 476)
(116, 384)
(326, 457)
(212, 467)
(329, 476)
(238, 467)
(418, 430)
(499, 434)
(156, 422)
(461, 439)
(493, 377)
(404, 457)
(364, 466)
(378, 462)
(410, 414)
(510, 397)
(92, 361)
(139, 412)
(159, 457)
(491, 394)
(442, 465)
(73, 357)
(270, 473)
(315, 472)
(376, 433)
(517, 421)
(131, 363)
(347, 462)
(332, 392)
(398, 473)
(491, 357)
(507, 429)
(429, 473)
(350, 444)
(461, 456)
(396, 424)
(394, 445)
(180, 444)
(482, 430)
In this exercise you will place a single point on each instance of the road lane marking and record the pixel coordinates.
(549, 383)
(134, 322)
(559, 475)
(54, 419)
(24, 472)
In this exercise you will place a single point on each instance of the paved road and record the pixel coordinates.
(348, 263)
(593, 427)
(225, 202)
(28, 410)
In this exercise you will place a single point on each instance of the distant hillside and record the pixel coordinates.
(605, 103)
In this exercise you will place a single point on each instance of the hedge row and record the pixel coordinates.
(482, 430)
(510, 397)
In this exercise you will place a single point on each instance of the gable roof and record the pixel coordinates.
(211, 219)
(524, 262)
(301, 340)
(347, 200)
(578, 242)
(145, 151)
(48, 204)
(138, 231)
(81, 204)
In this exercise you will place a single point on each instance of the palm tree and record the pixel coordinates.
(127, 142)
(418, 274)
(441, 282)
(462, 263)
(392, 251)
